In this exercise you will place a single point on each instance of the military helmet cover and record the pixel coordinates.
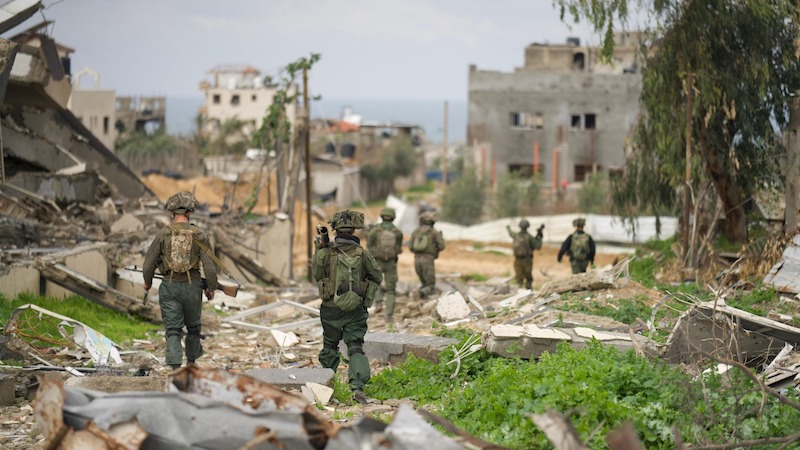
(182, 202)
(388, 212)
(347, 219)
(524, 224)
(427, 217)
(579, 222)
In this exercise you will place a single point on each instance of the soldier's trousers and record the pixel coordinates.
(579, 266)
(181, 304)
(426, 271)
(523, 272)
(351, 327)
(389, 286)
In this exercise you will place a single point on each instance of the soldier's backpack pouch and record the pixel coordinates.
(421, 242)
(348, 278)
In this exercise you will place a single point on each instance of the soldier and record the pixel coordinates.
(523, 245)
(177, 252)
(385, 243)
(579, 246)
(347, 278)
(426, 243)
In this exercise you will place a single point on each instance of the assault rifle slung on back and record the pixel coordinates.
(230, 291)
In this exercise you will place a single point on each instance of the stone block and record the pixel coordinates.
(523, 341)
(452, 307)
(394, 348)
(112, 384)
(292, 378)
(7, 389)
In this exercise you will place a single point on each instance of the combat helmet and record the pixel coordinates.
(388, 213)
(427, 217)
(347, 219)
(524, 224)
(579, 222)
(181, 203)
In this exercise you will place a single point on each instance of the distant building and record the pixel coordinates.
(563, 114)
(94, 107)
(241, 92)
(140, 113)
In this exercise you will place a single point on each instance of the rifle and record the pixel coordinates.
(539, 230)
(322, 240)
(230, 291)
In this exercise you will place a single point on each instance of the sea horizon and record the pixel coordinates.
(428, 114)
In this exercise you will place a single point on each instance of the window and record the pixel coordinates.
(575, 121)
(589, 121)
(522, 120)
(217, 99)
(235, 99)
(582, 171)
(538, 121)
(105, 124)
(253, 97)
(578, 61)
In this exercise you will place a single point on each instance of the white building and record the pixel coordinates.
(238, 91)
(95, 107)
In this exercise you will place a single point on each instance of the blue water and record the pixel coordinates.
(429, 114)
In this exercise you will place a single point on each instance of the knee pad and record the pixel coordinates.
(195, 331)
(330, 346)
(174, 332)
(354, 348)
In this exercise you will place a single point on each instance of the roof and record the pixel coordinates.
(14, 12)
(234, 68)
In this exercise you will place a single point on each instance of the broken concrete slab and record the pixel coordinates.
(127, 223)
(113, 384)
(292, 378)
(394, 348)
(16, 280)
(317, 393)
(7, 389)
(452, 306)
(785, 274)
(714, 329)
(523, 341)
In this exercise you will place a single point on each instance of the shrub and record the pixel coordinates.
(462, 201)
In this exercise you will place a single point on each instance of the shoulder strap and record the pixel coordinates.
(213, 257)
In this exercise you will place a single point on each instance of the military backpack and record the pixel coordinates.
(579, 250)
(347, 274)
(178, 243)
(385, 245)
(421, 242)
(522, 245)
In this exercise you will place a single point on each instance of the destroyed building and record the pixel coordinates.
(563, 114)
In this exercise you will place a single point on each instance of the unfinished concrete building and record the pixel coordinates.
(563, 114)
(142, 113)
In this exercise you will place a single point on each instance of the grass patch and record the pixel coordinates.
(422, 188)
(474, 277)
(625, 310)
(120, 328)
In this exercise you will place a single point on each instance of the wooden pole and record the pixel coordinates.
(444, 148)
(687, 188)
(793, 164)
(307, 138)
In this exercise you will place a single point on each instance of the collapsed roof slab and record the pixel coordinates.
(716, 330)
(785, 275)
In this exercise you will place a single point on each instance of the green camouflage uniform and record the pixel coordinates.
(424, 260)
(180, 294)
(338, 325)
(388, 267)
(523, 266)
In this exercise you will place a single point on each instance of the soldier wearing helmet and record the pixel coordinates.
(347, 277)
(426, 243)
(579, 246)
(177, 251)
(523, 245)
(385, 243)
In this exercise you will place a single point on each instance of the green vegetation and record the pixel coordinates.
(627, 309)
(515, 195)
(463, 199)
(398, 159)
(593, 196)
(474, 277)
(598, 387)
(341, 390)
(118, 327)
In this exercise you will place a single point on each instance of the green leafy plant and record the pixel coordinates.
(463, 199)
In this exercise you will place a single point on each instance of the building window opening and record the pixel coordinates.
(105, 124)
(523, 170)
(521, 120)
(216, 99)
(590, 121)
(538, 121)
(578, 61)
(575, 121)
(253, 97)
(235, 99)
(584, 171)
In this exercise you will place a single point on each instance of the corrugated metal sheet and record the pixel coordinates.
(785, 275)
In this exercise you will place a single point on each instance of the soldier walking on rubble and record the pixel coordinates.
(347, 278)
(385, 242)
(426, 243)
(523, 245)
(579, 246)
(177, 252)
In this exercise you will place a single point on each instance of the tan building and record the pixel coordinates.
(95, 107)
(238, 91)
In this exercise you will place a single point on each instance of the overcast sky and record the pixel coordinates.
(371, 49)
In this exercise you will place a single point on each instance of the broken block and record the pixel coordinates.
(7, 389)
(114, 384)
(292, 378)
(394, 348)
(452, 307)
(523, 341)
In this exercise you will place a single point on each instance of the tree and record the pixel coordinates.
(515, 195)
(462, 201)
(593, 196)
(395, 160)
(742, 55)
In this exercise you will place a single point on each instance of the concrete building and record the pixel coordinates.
(563, 114)
(241, 92)
(140, 113)
(95, 107)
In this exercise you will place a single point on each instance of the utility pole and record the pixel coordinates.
(444, 149)
(687, 188)
(307, 138)
(790, 219)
